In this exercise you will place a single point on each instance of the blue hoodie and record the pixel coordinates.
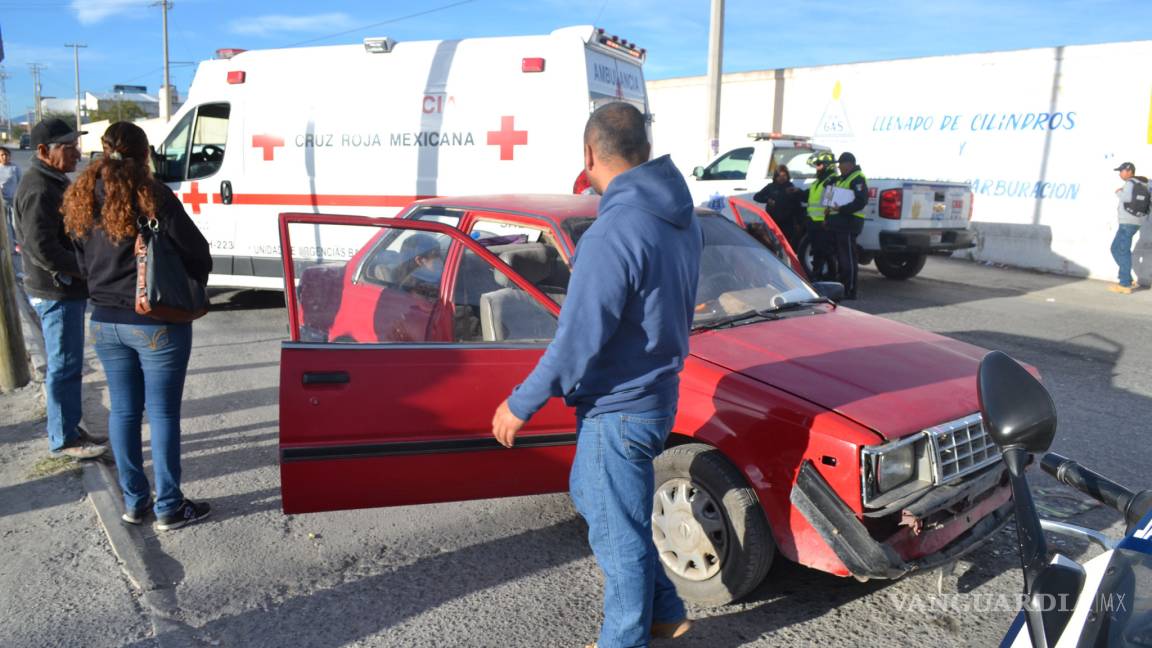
(623, 332)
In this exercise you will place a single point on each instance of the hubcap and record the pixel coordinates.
(689, 530)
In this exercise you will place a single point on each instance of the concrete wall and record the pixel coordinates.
(1036, 132)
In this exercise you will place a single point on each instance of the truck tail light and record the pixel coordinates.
(236, 77)
(532, 65)
(891, 203)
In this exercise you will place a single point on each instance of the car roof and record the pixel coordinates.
(559, 207)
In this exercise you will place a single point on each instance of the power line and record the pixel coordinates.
(386, 22)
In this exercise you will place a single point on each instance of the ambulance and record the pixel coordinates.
(366, 129)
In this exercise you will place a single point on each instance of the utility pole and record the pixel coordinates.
(4, 114)
(36, 67)
(76, 58)
(715, 66)
(165, 102)
(13, 356)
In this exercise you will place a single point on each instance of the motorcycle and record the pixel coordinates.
(1107, 601)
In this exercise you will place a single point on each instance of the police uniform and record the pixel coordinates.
(845, 224)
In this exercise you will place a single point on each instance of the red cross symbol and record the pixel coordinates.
(507, 137)
(195, 198)
(268, 143)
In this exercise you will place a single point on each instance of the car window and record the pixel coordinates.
(531, 251)
(195, 147)
(733, 165)
(796, 159)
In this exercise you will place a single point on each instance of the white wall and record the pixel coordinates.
(1036, 132)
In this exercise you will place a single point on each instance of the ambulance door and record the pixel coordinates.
(191, 162)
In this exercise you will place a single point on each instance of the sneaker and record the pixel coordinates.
(1123, 290)
(671, 629)
(80, 450)
(136, 516)
(84, 435)
(185, 514)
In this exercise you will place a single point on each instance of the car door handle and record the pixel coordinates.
(740, 189)
(226, 192)
(326, 378)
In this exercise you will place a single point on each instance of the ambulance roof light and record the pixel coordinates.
(777, 136)
(236, 77)
(379, 45)
(620, 45)
(228, 52)
(532, 64)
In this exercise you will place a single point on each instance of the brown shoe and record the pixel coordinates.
(671, 629)
(80, 450)
(1123, 290)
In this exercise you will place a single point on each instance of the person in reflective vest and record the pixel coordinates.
(845, 222)
(819, 240)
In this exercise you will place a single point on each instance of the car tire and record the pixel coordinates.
(900, 265)
(709, 528)
(804, 253)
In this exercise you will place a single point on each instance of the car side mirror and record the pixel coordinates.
(698, 172)
(833, 290)
(1018, 411)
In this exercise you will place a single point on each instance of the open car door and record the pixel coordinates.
(759, 224)
(400, 350)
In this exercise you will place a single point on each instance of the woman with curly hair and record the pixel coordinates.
(145, 360)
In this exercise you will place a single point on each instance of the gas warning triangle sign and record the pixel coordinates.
(834, 122)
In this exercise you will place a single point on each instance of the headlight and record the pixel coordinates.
(894, 470)
(895, 467)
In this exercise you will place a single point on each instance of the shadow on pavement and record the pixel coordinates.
(230, 299)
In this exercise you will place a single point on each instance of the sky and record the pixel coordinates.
(124, 37)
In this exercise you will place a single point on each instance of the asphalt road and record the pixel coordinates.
(517, 572)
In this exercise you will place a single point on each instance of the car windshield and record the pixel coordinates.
(741, 281)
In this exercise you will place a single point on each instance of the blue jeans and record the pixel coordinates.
(1122, 252)
(145, 365)
(612, 485)
(62, 322)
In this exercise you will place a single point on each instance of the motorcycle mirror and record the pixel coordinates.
(1018, 411)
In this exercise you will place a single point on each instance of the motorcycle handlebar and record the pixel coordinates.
(1097, 486)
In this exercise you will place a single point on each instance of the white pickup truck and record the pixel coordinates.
(906, 219)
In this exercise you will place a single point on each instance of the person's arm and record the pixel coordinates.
(1125, 192)
(190, 243)
(764, 195)
(596, 298)
(38, 220)
(860, 197)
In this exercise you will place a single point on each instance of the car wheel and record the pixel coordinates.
(708, 526)
(804, 253)
(900, 265)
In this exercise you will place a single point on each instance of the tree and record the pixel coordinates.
(118, 111)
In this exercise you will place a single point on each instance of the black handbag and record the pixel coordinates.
(164, 290)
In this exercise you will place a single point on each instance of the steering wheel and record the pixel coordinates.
(212, 153)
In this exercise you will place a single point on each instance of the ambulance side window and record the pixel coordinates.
(195, 149)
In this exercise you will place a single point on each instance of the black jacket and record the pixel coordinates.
(50, 268)
(111, 267)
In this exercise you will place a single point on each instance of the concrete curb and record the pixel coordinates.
(131, 549)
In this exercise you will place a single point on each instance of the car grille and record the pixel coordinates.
(961, 447)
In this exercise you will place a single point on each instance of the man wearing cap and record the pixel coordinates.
(847, 221)
(54, 284)
(1130, 223)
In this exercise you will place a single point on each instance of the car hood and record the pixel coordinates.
(887, 376)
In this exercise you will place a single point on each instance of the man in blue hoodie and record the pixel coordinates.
(616, 357)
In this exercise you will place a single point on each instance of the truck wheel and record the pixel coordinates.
(804, 253)
(708, 526)
(900, 265)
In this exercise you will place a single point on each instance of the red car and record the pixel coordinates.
(843, 441)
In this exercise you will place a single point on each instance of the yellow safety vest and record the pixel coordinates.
(815, 192)
(846, 183)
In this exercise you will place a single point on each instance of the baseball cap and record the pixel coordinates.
(1127, 166)
(54, 131)
(847, 157)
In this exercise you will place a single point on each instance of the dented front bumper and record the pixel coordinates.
(935, 530)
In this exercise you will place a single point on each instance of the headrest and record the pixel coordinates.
(533, 261)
